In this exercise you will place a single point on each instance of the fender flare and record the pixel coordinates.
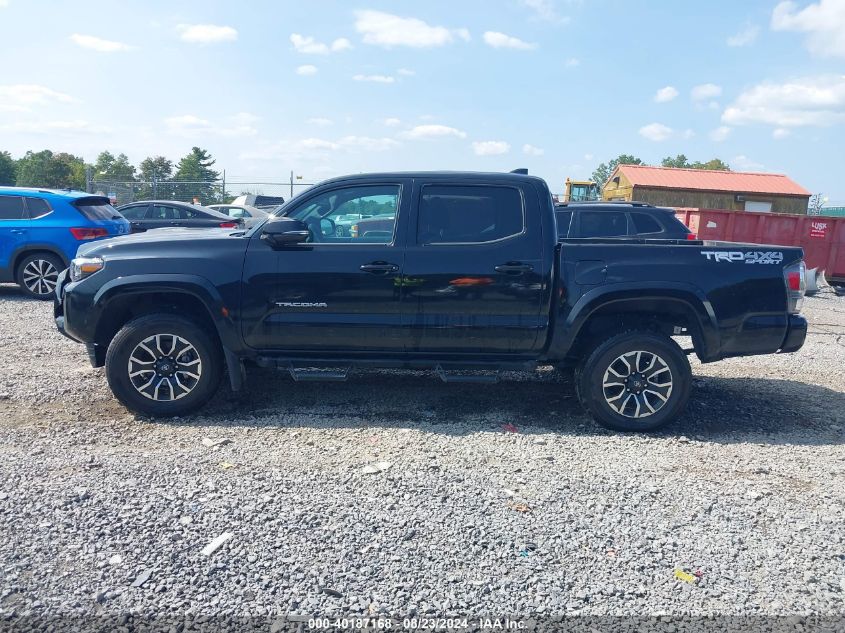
(706, 338)
(179, 283)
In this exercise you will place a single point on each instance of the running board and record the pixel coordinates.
(476, 378)
(305, 374)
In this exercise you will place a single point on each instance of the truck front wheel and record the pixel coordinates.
(635, 381)
(163, 365)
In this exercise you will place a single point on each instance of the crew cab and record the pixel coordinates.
(467, 278)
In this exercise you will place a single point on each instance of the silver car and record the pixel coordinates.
(250, 215)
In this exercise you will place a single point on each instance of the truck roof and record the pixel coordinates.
(480, 175)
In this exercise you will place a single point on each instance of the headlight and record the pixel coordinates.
(82, 267)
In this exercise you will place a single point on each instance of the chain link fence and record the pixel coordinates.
(203, 192)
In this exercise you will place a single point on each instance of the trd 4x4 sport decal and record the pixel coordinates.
(753, 257)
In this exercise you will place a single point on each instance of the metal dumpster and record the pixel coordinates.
(821, 237)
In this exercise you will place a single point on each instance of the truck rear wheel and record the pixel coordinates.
(163, 365)
(635, 381)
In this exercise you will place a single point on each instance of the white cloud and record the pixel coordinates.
(341, 44)
(588, 157)
(801, 102)
(572, 62)
(532, 151)
(780, 133)
(4, 3)
(665, 94)
(406, 72)
(688, 133)
(321, 121)
(308, 45)
(379, 79)
(545, 10)
(306, 70)
(19, 97)
(432, 130)
(823, 22)
(207, 33)
(720, 134)
(318, 144)
(501, 40)
(386, 29)
(706, 91)
(655, 132)
(490, 148)
(746, 37)
(98, 44)
(193, 126)
(392, 122)
(743, 163)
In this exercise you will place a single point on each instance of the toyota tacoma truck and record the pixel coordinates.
(470, 278)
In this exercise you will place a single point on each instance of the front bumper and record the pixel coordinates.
(796, 333)
(58, 305)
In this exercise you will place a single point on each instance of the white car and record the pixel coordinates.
(250, 215)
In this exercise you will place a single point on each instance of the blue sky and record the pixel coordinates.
(325, 88)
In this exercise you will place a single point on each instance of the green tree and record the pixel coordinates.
(8, 169)
(113, 169)
(604, 170)
(46, 169)
(153, 169)
(681, 161)
(196, 168)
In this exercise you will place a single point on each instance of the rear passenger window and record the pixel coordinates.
(469, 214)
(37, 207)
(134, 213)
(11, 208)
(563, 220)
(603, 224)
(644, 223)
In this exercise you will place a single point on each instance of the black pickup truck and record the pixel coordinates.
(463, 274)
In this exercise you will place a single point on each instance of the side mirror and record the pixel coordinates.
(283, 231)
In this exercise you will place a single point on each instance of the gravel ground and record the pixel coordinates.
(488, 499)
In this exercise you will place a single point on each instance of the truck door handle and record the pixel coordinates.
(380, 268)
(514, 268)
(18, 231)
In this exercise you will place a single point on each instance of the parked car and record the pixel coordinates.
(41, 229)
(619, 219)
(156, 214)
(250, 215)
(168, 313)
(259, 201)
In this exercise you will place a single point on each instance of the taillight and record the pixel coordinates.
(692, 236)
(228, 225)
(795, 277)
(353, 230)
(84, 233)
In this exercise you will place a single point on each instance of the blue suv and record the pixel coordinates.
(41, 229)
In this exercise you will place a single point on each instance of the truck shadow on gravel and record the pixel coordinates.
(725, 410)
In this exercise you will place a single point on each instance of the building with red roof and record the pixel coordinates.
(706, 189)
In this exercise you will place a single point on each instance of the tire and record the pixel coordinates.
(643, 392)
(37, 274)
(176, 365)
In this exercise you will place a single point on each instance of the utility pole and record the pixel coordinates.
(291, 183)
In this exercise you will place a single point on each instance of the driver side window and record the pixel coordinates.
(352, 215)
